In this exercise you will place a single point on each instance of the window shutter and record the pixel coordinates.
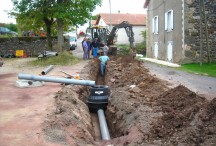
(171, 21)
(153, 27)
(166, 21)
(157, 24)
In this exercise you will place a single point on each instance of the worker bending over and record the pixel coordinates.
(103, 60)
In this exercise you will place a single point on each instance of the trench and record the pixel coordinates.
(94, 116)
(150, 114)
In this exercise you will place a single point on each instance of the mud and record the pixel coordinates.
(142, 110)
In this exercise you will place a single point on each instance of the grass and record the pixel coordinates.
(64, 59)
(205, 69)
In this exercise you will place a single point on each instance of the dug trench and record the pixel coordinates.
(142, 110)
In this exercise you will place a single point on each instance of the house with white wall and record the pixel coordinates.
(138, 21)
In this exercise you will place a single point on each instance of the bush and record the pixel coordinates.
(141, 48)
(123, 49)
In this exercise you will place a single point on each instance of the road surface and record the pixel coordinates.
(202, 85)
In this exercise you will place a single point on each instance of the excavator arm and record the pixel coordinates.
(129, 32)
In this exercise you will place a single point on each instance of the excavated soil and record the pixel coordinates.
(142, 110)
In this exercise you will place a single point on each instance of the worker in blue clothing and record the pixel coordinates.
(103, 63)
(95, 45)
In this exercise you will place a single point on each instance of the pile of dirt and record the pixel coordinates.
(70, 122)
(142, 110)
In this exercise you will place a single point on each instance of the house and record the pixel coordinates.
(138, 21)
(173, 30)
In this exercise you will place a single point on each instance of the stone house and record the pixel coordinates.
(138, 21)
(173, 30)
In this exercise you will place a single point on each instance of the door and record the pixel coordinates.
(155, 50)
(170, 51)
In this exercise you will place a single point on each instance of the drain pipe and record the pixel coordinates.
(56, 80)
(103, 125)
(45, 71)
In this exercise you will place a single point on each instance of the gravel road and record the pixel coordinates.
(202, 85)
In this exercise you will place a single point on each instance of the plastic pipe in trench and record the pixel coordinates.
(45, 71)
(56, 80)
(101, 116)
(103, 125)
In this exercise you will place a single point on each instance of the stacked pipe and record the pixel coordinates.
(45, 71)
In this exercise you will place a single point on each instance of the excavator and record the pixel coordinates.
(108, 37)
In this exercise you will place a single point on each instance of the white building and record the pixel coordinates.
(138, 21)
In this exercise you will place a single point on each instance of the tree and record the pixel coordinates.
(65, 12)
(34, 15)
(72, 12)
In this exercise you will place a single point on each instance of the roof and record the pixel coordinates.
(134, 19)
(146, 3)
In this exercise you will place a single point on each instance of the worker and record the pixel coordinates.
(105, 49)
(85, 49)
(95, 44)
(104, 58)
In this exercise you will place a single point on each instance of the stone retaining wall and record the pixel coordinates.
(192, 30)
(33, 46)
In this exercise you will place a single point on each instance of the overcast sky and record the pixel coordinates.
(124, 6)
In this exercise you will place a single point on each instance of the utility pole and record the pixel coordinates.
(206, 30)
(110, 16)
(201, 37)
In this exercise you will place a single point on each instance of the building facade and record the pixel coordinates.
(173, 32)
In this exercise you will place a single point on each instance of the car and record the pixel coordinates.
(5, 30)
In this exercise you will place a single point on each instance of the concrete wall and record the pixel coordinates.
(31, 45)
(123, 38)
(159, 8)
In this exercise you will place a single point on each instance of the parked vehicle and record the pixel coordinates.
(72, 39)
(5, 30)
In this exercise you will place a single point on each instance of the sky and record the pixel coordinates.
(124, 6)
(6, 5)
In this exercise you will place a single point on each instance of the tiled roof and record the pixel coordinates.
(134, 19)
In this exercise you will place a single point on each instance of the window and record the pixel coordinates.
(169, 20)
(155, 25)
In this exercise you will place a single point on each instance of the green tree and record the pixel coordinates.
(65, 12)
(72, 12)
(12, 27)
(34, 15)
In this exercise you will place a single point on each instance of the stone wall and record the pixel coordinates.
(192, 30)
(31, 45)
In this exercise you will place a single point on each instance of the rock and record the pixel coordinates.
(136, 90)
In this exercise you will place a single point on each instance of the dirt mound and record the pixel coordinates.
(142, 110)
(70, 122)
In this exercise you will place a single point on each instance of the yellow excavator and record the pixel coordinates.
(108, 37)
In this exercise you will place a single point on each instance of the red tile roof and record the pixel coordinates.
(134, 19)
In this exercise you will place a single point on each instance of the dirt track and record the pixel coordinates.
(147, 113)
